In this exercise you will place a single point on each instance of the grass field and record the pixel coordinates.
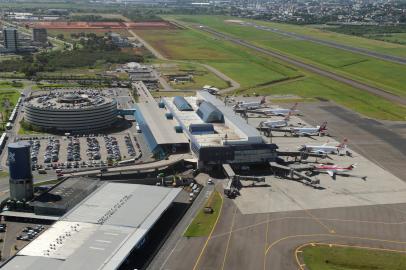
(343, 258)
(376, 72)
(203, 223)
(248, 68)
(255, 72)
(399, 38)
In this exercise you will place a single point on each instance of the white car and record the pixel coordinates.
(210, 181)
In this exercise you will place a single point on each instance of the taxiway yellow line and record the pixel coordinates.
(229, 238)
(209, 237)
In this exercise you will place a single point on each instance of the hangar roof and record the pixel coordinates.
(99, 232)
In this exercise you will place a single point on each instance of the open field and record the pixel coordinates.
(348, 258)
(250, 68)
(203, 223)
(399, 38)
(317, 86)
(379, 73)
(260, 74)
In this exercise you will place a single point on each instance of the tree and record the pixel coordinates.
(60, 36)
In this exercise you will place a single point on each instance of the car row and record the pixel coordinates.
(35, 146)
(73, 150)
(93, 151)
(52, 151)
(113, 150)
(30, 233)
(130, 145)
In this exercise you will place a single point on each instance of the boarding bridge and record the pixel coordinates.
(234, 184)
(290, 173)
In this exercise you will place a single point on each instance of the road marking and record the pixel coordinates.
(307, 217)
(209, 237)
(331, 235)
(229, 238)
(299, 250)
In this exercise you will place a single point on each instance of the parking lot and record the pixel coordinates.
(17, 235)
(82, 151)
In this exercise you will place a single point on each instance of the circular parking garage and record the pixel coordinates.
(73, 111)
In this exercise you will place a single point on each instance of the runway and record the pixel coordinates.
(382, 56)
(312, 68)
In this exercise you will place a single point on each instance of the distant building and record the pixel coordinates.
(10, 39)
(40, 35)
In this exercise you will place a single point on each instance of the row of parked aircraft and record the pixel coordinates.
(281, 125)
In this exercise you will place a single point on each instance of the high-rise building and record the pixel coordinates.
(40, 35)
(19, 162)
(10, 39)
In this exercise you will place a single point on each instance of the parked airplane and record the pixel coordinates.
(249, 105)
(309, 131)
(324, 148)
(280, 111)
(333, 170)
(276, 123)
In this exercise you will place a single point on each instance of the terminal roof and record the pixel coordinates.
(82, 240)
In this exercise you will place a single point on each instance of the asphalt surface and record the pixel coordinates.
(272, 240)
(382, 56)
(383, 143)
(359, 85)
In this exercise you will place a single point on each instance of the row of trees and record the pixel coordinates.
(92, 49)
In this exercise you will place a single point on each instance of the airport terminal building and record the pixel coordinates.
(212, 131)
(110, 229)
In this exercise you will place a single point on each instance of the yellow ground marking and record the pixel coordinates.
(299, 250)
(209, 237)
(229, 238)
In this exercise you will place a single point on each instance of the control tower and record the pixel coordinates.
(19, 162)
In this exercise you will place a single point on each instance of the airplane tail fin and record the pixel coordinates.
(323, 127)
(343, 144)
(287, 117)
(352, 166)
(262, 100)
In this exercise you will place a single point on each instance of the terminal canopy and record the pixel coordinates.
(209, 113)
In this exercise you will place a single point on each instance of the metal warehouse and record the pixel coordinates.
(100, 232)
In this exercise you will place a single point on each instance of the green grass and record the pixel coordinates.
(370, 70)
(346, 258)
(357, 100)
(248, 68)
(399, 38)
(48, 182)
(203, 223)
(158, 94)
(255, 72)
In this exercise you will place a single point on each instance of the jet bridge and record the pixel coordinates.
(293, 174)
(233, 186)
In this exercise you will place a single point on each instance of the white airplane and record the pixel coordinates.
(309, 131)
(333, 170)
(276, 123)
(281, 112)
(325, 148)
(249, 105)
